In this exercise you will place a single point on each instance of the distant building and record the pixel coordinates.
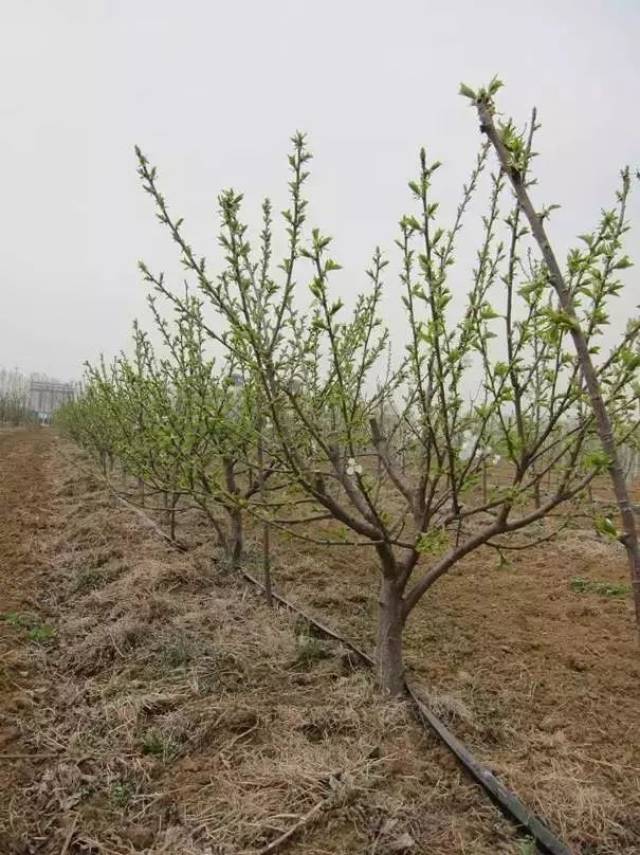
(46, 396)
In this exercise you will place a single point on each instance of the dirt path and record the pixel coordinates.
(25, 493)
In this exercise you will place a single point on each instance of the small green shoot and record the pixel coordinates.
(158, 744)
(121, 793)
(41, 634)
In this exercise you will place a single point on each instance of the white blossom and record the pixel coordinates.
(353, 468)
(466, 449)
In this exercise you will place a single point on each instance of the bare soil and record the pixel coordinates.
(535, 664)
(152, 703)
(24, 685)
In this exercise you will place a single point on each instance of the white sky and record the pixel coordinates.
(213, 90)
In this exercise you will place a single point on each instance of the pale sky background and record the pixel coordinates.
(213, 90)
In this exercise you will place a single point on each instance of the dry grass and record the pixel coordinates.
(172, 712)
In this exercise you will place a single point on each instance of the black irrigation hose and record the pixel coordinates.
(507, 801)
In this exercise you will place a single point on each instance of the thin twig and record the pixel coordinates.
(296, 827)
(71, 832)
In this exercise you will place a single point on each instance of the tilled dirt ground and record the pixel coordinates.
(534, 663)
(25, 493)
(152, 703)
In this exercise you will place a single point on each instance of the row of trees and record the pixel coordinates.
(14, 398)
(269, 400)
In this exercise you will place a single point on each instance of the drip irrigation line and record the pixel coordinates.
(507, 801)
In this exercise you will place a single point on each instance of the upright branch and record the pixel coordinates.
(508, 148)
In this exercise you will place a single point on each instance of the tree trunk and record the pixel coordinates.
(485, 481)
(266, 564)
(266, 534)
(236, 537)
(236, 543)
(172, 515)
(389, 664)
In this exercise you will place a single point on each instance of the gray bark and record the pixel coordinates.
(389, 661)
(603, 422)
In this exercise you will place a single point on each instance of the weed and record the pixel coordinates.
(121, 793)
(160, 745)
(310, 650)
(605, 589)
(41, 634)
(503, 565)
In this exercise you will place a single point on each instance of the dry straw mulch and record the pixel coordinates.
(169, 711)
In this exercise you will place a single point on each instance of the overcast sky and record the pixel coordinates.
(212, 91)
